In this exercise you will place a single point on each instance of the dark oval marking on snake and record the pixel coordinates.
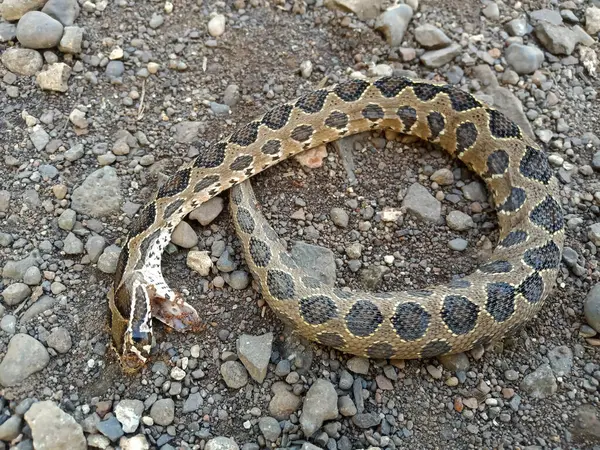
(436, 124)
(302, 133)
(364, 318)
(337, 119)
(548, 215)
(545, 257)
(175, 184)
(534, 165)
(312, 102)
(532, 288)
(246, 135)
(271, 147)
(331, 339)
(245, 220)
(280, 284)
(466, 135)
(318, 309)
(408, 116)
(462, 101)
(392, 86)
(352, 90)
(380, 350)
(206, 182)
(426, 92)
(500, 301)
(241, 162)
(169, 210)
(501, 126)
(514, 201)
(277, 117)
(459, 313)
(497, 163)
(373, 112)
(435, 348)
(211, 157)
(410, 321)
(144, 220)
(496, 267)
(513, 238)
(259, 251)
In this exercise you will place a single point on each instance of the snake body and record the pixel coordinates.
(502, 294)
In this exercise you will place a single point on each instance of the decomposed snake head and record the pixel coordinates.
(137, 338)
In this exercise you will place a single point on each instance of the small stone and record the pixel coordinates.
(557, 39)
(163, 412)
(431, 37)
(270, 428)
(561, 360)
(114, 69)
(592, 20)
(216, 25)
(393, 23)
(72, 245)
(234, 374)
(184, 235)
(524, 59)
(312, 158)
(107, 262)
(306, 68)
(129, 413)
(15, 9)
(458, 244)
(320, 404)
(358, 365)
(39, 137)
(422, 204)
(24, 357)
(32, 276)
(455, 362)
(52, 428)
(208, 211)
(38, 30)
(283, 404)
(443, 177)
(435, 372)
(71, 40)
(111, 428)
(156, 21)
(540, 383)
(437, 58)
(459, 221)
(55, 77)
(594, 234)
(339, 217)
(193, 403)
(66, 221)
(221, 443)
(591, 308)
(491, 11)
(366, 420)
(239, 279)
(74, 153)
(255, 353)
(346, 406)
(15, 293)
(199, 261)
(59, 340)
(11, 428)
(22, 61)
(65, 11)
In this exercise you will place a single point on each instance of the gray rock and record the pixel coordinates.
(186, 132)
(10, 429)
(284, 403)
(15, 293)
(270, 428)
(546, 15)
(38, 30)
(518, 27)
(39, 137)
(72, 245)
(366, 420)
(459, 221)
(66, 220)
(107, 262)
(316, 261)
(475, 191)
(184, 235)
(221, 443)
(234, 374)
(74, 153)
(24, 357)
(55, 78)
(458, 244)
(114, 69)
(231, 96)
(591, 308)
(540, 383)
(431, 37)
(592, 19)
(393, 24)
(225, 263)
(339, 217)
(5, 200)
(22, 61)
(561, 360)
(53, 429)
(443, 177)
(129, 413)
(99, 195)
(371, 276)
(239, 279)
(587, 422)
(193, 403)
(15, 9)
(163, 412)
(219, 109)
(456, 362)
(8, 32)
(111, 428)
(491, 11)
(60, 340)
(437, 58)
(556, 39)
(346, 406)
(320, 404)
(71, 40)
(8, 324)
(358, 365)
(524, 59)
(594, 234)
(156, 20)
(65, 11)
(48, 171)
(43, 304)
(32, 276)
(255, 353)
(208, 211)
(422, 204)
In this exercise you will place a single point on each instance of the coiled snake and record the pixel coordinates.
(502, 294)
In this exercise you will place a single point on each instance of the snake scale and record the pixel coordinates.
(499, 296)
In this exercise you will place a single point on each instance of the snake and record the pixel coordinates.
(505, 291)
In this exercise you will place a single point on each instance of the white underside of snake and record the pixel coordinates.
(502, 294)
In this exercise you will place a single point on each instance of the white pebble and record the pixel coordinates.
(216, 25)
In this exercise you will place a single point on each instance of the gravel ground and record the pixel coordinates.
(102, 100)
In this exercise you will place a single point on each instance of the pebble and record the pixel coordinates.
(163, 412)
(524, 59)
(239, 279)
(459, 221)
(591, 308)
(455, 362)
(129, 413)
(270, 428)
(66, 432)
(71, 41)
(557, 39)
(200, 262)
(193, 403)
(55, 78)
(156, 21)
(393, 23)
(38, 30)
(11, 428)
(540, 383)
(72, 245)
(443, 177)
(114, 69)
(107, 262)
(216, 25)
(435, 372)
(284, 403)
(111, 428)
(358, 365)
(15, 293)
(208, 211)
(592, 20)
(561, 360)
(431, 37)
(221, 443)
(60, 340)
(66, 220)
(458, 244)
(234, 374)
(255, 354)
(437, 58)
(320, 404)
(339, 217)
(594, 234)
(184, 235)
(25, 356)
(422, 204)
(32, 276)
(15, 9)
(346, 406)
(22, 61)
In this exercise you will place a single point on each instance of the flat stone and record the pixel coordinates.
(54, 429)
(221, 443)
(320, 404)
(71, 40)
(437, 58)
(65, 11)
(24, 357)
(561, 360)
(234, 374)
(184, 235)
(364, 10)
(15, 9)
(431, 37)
(284, 403)
(99, 195)
(393, 24)
(540, 383)
(15, 293)
(319, 262)
(129, 413)
(22, 61)
(199, 261)
(422, 204)
(558, 40)
(55, 78)
(255, 354)
(111, 428)
(11, 428)
(591, 307)
(269, 427)
(208, 211)
(60, 340)
(358, 365)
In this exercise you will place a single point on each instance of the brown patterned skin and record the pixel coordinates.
(501, 295)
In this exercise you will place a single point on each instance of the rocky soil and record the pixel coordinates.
(102, 100)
